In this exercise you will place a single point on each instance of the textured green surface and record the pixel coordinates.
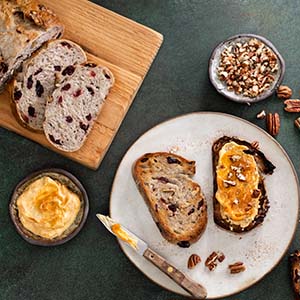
(92, 266)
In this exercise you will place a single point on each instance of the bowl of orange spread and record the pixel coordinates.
(49, 207)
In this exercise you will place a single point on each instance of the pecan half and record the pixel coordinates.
(273, 123)
(292, 105)
(213, 258)
(193, 261)
(284, 92)
(255, 144)
(295, 268)
(297, 123)
(237, 267)
(211, 261)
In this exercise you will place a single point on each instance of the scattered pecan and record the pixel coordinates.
(211, 261)
(295, 268)
(273, 123)
(297, 123)
(237, 267)
(261, 115)
(292, 105)
(284, 92)
(221, 256)
(193, 261)
(255, 144)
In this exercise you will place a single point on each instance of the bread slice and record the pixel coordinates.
(36, 83)
(25, 26)
(175, 201)
(75, 105)
(240, 198)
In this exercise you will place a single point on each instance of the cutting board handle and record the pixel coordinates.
(192, 287)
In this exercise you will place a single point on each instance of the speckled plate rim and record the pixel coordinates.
(243, 121)
(50, 243)
(234, 97)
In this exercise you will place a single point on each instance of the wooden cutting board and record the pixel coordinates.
(124, 46)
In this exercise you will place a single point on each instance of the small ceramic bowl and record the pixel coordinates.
(73, 184)
(221, 86)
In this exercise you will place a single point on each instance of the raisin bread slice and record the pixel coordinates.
(25, 26)
(36, 83)
(175, 201)
(75, 105)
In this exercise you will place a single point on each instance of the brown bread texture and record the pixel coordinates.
(175, 201)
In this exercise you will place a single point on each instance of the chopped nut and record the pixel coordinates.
(236, 201)
(248, 68)
(237, 267)
(292, 105)
(228, 183)
(284, 92)
(193, 261)
(273, 123)
(235, 158)
(221, 256)
(240, 177)
(255, 144)
(297, 123)
(261, 115)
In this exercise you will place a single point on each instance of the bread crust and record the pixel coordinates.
(13, 86)
(25, 26)
(183, 239)
(264, 166)
(79, 67)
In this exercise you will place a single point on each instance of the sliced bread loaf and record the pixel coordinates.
(74, 106)
(175, 201)
(25, 26)
(35, 84)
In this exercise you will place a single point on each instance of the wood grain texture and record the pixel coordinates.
(192, 287)
(124, 46)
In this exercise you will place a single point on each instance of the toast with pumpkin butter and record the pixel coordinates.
(240, 198)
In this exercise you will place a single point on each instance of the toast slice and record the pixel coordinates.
(176, 203)
(240, 198)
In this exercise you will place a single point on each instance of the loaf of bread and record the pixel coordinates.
(240, 198)
(36, 83)
(75, 105)
(175, 201)
(25, 26)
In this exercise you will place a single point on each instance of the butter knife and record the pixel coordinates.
(141, 247)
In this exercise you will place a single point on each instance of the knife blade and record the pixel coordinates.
(142, 248)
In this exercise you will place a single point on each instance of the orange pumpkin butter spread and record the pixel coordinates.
(237, 183)
(121, 234)
(47, 208)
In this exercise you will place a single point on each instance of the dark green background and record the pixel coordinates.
(91, 266)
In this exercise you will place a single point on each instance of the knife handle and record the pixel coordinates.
(192, 287)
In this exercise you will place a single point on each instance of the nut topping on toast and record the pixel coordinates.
(240, 201)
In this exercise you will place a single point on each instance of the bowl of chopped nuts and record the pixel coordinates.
(246, 68)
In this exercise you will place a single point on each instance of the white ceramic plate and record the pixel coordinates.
(261, 249)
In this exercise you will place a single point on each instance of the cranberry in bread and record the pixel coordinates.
(175, 201)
